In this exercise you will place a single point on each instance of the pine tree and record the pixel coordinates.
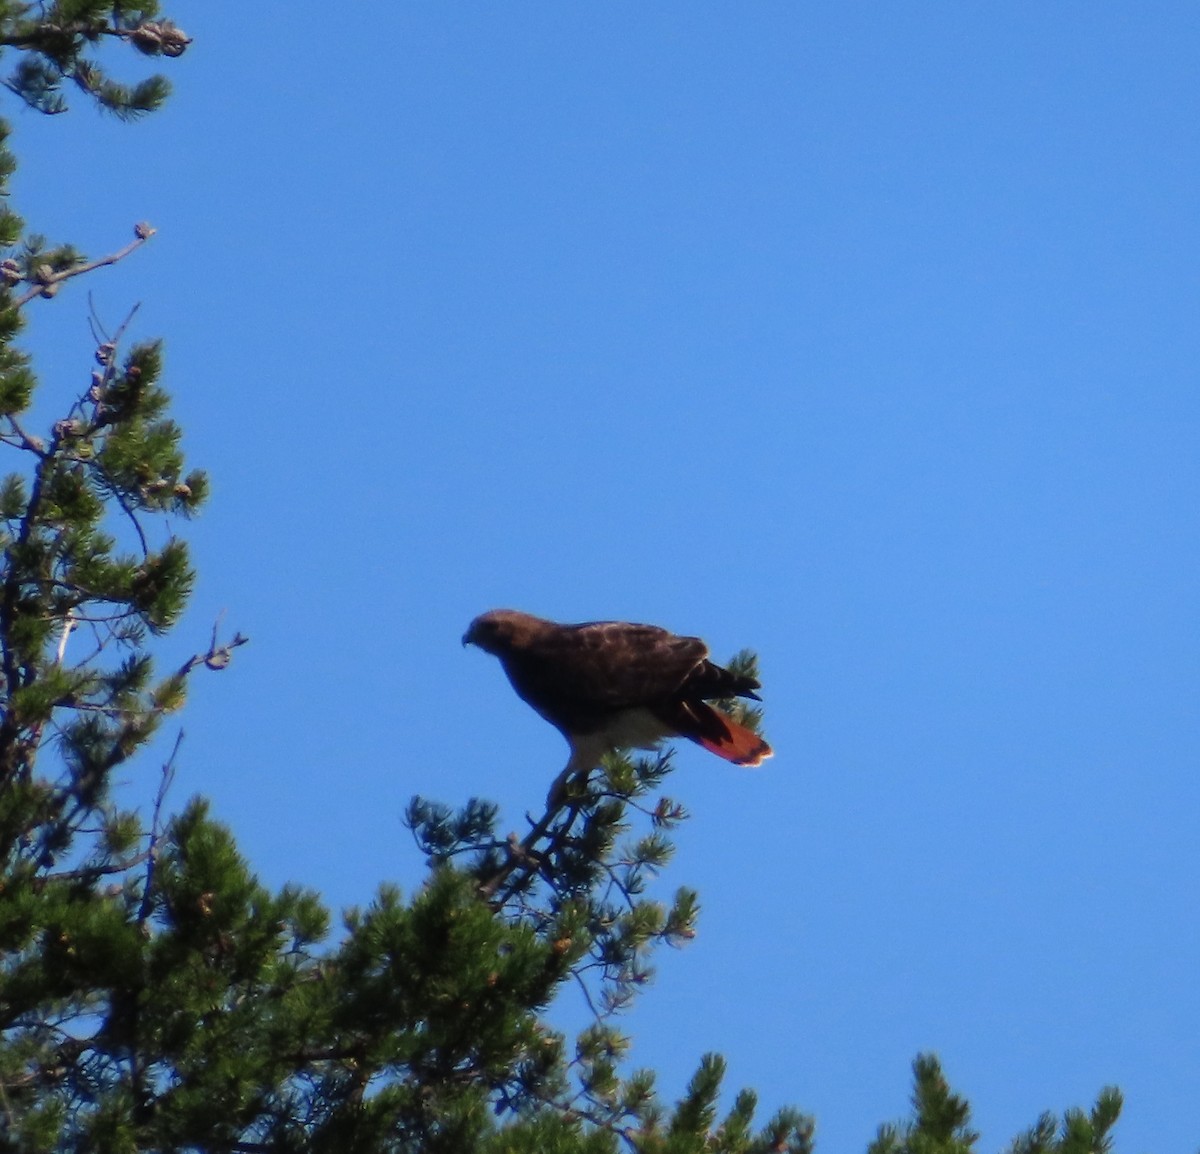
(153, 994)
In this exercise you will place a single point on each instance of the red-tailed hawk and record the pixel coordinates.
(608, 685)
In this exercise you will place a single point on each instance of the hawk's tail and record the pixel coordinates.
(717, 732)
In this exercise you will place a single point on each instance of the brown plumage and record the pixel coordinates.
(614, 685)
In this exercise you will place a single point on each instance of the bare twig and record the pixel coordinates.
(218, 656)
(116, 338)
(106, 348)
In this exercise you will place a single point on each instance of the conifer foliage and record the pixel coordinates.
(153, 995)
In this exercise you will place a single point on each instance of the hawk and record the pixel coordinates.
(608, 685)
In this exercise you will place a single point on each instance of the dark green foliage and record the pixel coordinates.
(940, 1123)
(579, 881)
(741, 709)
(940, 1118)
(1077, 1132)
(61, 43)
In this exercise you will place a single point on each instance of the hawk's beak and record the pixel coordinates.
(466, 639)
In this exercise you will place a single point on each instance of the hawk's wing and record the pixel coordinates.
(607, 665)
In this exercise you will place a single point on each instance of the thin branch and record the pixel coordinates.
(524, 859)
(120, 499)
(573, 1106)
(156, 36)
(91, 872)
(12, 583)
(31, 444)
(218, 656)
(116, 338)
(106, 357)
(521, 853)
(587, 996)
(48, 285)
(99, 333)
(168, 776)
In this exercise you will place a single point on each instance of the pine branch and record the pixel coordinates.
(152, 37)
(49, 281)
(9, 597)
(524, 860)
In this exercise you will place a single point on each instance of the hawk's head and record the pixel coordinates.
(500, 630)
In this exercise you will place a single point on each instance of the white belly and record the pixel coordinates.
(636, 729)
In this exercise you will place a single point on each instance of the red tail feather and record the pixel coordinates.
(717, 732)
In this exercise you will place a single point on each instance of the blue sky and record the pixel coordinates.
(863, 335)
